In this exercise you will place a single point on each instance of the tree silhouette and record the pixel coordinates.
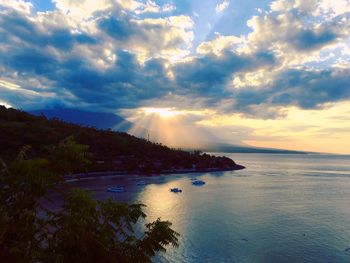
(82, 229)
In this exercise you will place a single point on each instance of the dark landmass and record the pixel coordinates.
(229, 148)
(112, 151)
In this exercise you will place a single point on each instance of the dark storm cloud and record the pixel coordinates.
(117, 28)
(45, 52)
(302, 88)
(310, 89)
(308, 39)
(15, 24)
(30, 61)
(154, 35)
(125, 84)
(209, 75)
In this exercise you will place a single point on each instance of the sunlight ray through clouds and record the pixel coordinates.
(162, 112)
(175, 66)
(176, 128)
(9, 85)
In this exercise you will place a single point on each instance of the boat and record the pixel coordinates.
(116, 189)
(176, 190)
(142, 182)
(198, 182)
(194, 179)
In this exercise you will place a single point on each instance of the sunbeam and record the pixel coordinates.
(176, 128)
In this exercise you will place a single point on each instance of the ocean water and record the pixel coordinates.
(281, 208)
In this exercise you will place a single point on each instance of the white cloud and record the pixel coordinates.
(300, 5)
(19, 5)
(218, 44)
(259, 78)
(222, 6)
(307, 6)
(346, 51)
(280, 5)
(334, 8)
(153, 7)
(81, 9)
(295, 32)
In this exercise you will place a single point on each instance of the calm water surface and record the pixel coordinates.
(282, 208)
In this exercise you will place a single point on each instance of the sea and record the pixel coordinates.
(281, 208)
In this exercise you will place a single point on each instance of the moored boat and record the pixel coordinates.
(176, 190)
(198, 182)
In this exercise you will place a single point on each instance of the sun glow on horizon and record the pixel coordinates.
(168, 125)
(162, 112)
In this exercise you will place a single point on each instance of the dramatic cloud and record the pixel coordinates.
(305, 89)
(114, 55)
(209, 76)
(114, 61)
(149, 36)
(291, 31)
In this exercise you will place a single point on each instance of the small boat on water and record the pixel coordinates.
(116, 189)
(176, 190)
(198, 182)
(142, 182)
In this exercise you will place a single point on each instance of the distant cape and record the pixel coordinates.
(230, 148)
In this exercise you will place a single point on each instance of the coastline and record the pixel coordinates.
(121, 174)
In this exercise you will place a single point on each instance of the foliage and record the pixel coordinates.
(82, 229)
(69, 156)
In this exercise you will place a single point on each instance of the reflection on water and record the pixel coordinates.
(282, 208)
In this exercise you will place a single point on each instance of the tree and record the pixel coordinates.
(83, 229)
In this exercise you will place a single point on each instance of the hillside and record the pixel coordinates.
(112, 151)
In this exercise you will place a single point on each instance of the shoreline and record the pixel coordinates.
(121, 174)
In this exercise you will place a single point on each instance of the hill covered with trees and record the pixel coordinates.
(111, 150)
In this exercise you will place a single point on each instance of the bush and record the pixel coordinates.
(83, 229)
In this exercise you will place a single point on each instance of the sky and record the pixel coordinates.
(267, 73)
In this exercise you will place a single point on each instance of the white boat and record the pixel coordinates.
(176, 190)
(116, 189)
(198, 182)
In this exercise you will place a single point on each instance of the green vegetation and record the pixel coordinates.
(112, 151)
(80, 230)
